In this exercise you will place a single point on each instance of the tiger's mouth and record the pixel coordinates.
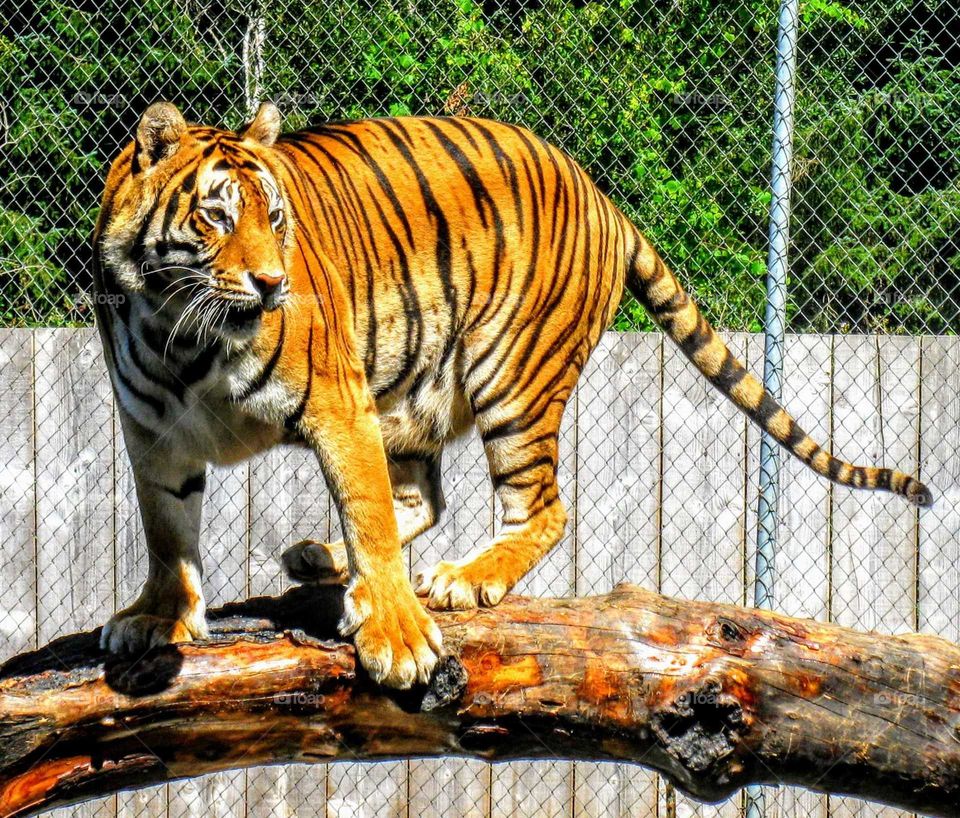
(242, 318)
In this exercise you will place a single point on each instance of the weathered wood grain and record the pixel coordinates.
(131, 572)
(18, 558)
(618, 525)
(703, 508)
(289, 502)
(801, 586)
(875, 420)
(74, 463)
(939, 530)
(442, 787)
(224, 547)
(458, 787)
(543, 789)
(713, 695)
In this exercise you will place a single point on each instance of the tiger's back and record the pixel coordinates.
(480, 256)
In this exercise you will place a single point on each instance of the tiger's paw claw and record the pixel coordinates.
(397, 641)
(454, 586)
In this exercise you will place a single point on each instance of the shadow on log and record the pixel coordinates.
(713, 696)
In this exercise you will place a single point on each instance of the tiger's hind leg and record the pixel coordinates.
(523, 465)
(417, 503)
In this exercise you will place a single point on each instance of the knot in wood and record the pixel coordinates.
(700, 728)
(447, 684)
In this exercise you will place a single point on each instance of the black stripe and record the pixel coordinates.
(139, 363)
(698, 339)
(263, 378)
(411, 456)
(796, 436)
(481, 195)
(661, 312)
(362, 236)
(833, 468)
(354, 143)
(197, 369)
(731, 373)
(291, 422)
(767, 409)
(190, 486)
(504, 477)
(154, 403)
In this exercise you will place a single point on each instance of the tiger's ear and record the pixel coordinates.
(265, 127)
(158, 134)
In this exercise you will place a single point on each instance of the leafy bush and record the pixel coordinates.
(667, 105)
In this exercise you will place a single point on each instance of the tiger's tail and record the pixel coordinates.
(653, 284)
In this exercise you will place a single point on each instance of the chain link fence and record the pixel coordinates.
(669, 107)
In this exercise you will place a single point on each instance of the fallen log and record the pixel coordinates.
(713, 696)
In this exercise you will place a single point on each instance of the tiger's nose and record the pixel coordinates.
(267, 286)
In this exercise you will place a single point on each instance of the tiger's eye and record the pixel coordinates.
(216, 214)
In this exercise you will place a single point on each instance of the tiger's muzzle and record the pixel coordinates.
(271, 288)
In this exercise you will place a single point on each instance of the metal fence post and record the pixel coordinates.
(254, 38)
(775, 319)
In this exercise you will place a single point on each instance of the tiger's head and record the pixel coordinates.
(195, 220)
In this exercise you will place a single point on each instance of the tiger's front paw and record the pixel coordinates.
(317, 562)
(396, 640)
(165, 613)
(460, 586)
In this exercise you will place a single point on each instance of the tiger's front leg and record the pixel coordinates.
(170, 607)
(396, 639)
(417, 504)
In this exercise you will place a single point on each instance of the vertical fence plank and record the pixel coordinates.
(74, 483)
(802, 566)
(223, 550)
(703, 485)
(75, 558)
(939, 536)
(131, 572)
(289, 502)
(703, 506)
(455, 787)
(802, 560)
(545, 788)
(365, 789)
(18, 614)
(618, 477)
(875, 420)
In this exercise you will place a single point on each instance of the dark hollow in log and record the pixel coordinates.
(713, 696)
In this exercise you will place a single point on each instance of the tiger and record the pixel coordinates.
(372, 289)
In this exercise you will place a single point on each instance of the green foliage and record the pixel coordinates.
(667, 105)
(28, 275)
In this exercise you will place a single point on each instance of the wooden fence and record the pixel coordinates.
(659, 475)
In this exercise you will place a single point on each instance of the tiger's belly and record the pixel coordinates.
(224, 435)
(416, 376)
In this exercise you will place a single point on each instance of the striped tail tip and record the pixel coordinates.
(917, 493)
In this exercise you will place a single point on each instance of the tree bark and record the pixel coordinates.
(713, 696)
